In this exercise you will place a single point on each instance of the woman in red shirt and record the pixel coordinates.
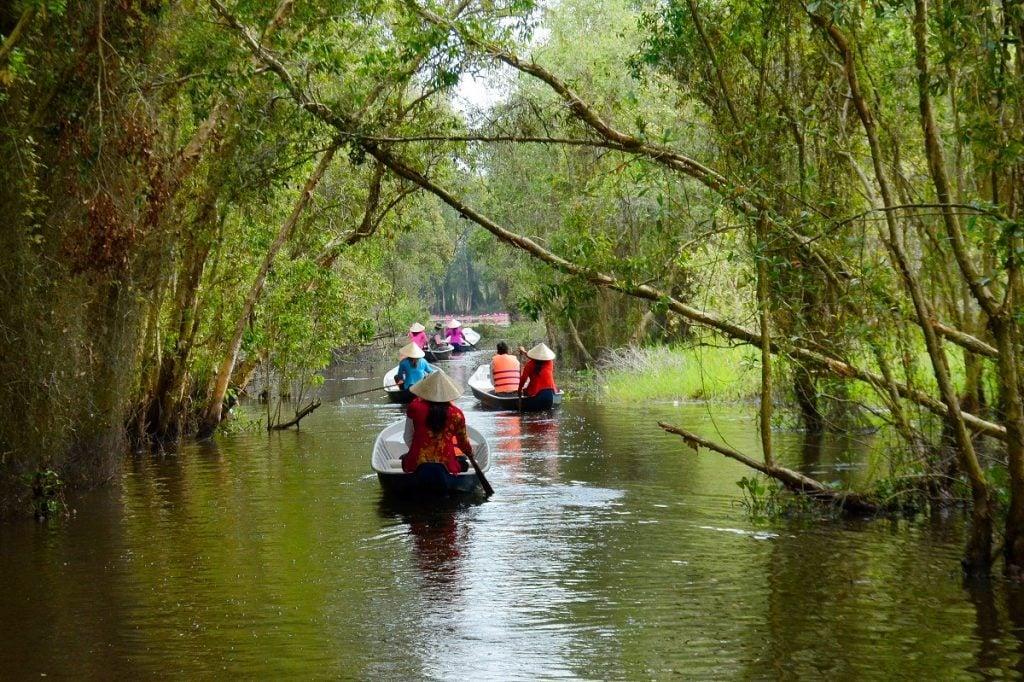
(538, 373)
(435, 430)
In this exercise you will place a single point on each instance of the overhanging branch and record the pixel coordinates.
(399, 167)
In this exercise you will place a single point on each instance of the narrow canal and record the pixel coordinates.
(609, 551)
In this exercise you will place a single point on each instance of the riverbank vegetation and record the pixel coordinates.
(657, 373)
(198, 189)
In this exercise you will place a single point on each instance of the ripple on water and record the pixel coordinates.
(610, 551)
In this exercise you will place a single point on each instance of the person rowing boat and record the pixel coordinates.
(435, 429)
(454, 333)
(538, 375)
(412, 368)
(418, 335)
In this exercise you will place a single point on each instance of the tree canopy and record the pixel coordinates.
(199, 188)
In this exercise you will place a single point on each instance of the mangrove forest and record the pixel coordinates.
(708, 318)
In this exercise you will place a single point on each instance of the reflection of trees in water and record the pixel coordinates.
(844, 458)
(1015, 608)
(987, 628)
(832, 608)
(811, 449)
(67, 594)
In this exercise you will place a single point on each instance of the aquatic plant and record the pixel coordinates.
(47, 494)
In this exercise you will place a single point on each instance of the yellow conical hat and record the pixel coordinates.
(437, 387)
(410, 350)
(540, 352)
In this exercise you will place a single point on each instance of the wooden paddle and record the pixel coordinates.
(488, 490)
(369, 390)
(521, 351)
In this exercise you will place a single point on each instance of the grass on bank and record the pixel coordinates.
(731, 373)
(681, 373)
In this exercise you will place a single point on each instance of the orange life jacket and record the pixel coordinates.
(505, 373)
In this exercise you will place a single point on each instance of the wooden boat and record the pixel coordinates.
(428, 479)
(442, 353)
(482, 387)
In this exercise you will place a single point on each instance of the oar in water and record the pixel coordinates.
(369, 390)
(521, 351)
(488, 490)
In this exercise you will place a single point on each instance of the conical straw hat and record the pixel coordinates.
(437, 387)
(540, 352)
(410, 350)
(416, 327)
(453, 324)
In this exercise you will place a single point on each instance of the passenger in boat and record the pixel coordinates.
(454, 333)
(504, 370)
(418, 335)
(412, 368)
(538, 374)
(435, 430)
(437, 339)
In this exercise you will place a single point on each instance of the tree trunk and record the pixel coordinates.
(640, 333)
(1000, 316)
(806, 393)
(11, 41)
(766, 339)
(214, 409)
(1010, 396)
(978, 553)
(581, 348)
(165, 415)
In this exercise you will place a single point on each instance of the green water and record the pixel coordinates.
(609, 551)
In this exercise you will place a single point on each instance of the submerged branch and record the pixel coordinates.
(848, 501)
(299, 416)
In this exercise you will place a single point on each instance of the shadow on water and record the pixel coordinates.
(411, 509)
(609, 551)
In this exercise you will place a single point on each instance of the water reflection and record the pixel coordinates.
(609, 551)
(811, 450)
(541, 431)
(438, 540)
(508, 444)
(987, 629)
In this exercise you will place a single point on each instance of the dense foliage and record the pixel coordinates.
(159, 197)
(202, 187)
